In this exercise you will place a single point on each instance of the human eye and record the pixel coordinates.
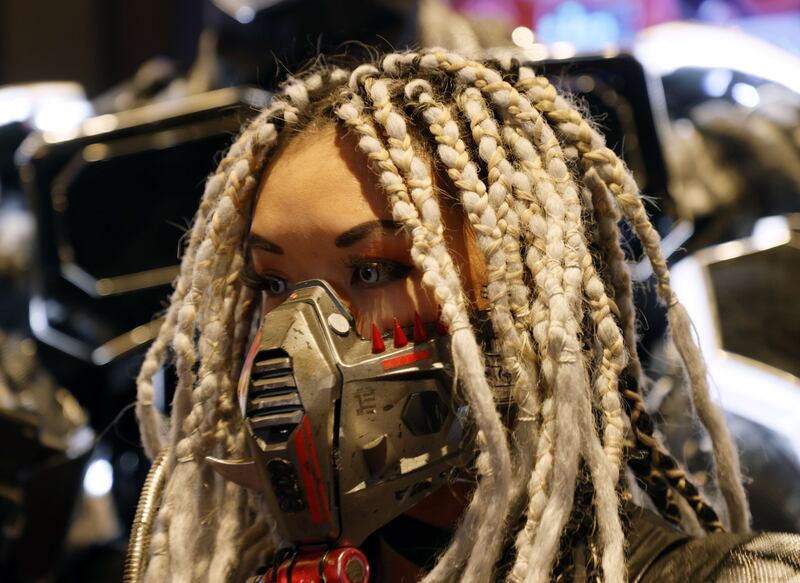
(373, 273)
(273, 285)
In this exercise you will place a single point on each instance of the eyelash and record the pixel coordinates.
(250, 278)
(391, 271)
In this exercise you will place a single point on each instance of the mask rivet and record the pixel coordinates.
(355, 571)
(339, 324)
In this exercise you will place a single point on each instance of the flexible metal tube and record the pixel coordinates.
(146, 510)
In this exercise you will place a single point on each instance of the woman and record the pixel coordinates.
(426, 184)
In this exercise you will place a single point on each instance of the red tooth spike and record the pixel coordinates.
(400, 339)
(377, 341)
(420, 334)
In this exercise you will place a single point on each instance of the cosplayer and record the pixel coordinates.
(412, 271)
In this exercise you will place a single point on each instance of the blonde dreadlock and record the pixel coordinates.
(507, 142)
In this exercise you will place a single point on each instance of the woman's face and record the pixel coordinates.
(320, 214)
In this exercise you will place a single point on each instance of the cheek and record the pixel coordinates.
(400, 301)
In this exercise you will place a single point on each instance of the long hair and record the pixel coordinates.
(543, 195)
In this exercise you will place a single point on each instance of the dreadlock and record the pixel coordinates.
(543, 196)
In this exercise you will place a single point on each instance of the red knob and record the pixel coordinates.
(346, 565)
(342, 565)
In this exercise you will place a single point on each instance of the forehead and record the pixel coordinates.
(318, 179)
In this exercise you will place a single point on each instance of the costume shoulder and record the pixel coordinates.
(660, 553)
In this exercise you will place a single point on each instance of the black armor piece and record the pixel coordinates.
(659, 553)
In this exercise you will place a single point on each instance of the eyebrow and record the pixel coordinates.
(258, 242)
(348, 238)
(355, 234)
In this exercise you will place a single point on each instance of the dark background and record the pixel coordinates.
(95, 42)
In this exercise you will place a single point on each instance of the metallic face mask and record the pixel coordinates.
(345, 433)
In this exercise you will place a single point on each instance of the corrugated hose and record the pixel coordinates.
(146, 510)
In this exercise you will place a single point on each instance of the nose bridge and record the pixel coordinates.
(326, 274)
(340, 288)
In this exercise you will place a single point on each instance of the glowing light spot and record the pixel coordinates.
(583, 29)
(14, 108)
(522, 36)
(537, 52)
(745, 94)
(59, 116)
(562, 50)
(99, 478)
(717, 81)
(245, 14)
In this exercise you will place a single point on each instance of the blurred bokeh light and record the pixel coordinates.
(592, 25)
